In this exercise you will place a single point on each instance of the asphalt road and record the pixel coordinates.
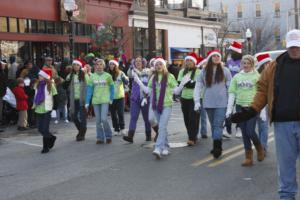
(121, 171)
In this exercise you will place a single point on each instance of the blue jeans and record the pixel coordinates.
(61, 113)
(163, 119)
(216, 117)
(248, 131)
(102, 125)
(263, 132)
(287, 141)
(203, 122)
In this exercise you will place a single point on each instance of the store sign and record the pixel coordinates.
(210, 38)
(79, 14)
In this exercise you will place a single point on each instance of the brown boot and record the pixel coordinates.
(248, 158)
(260, 152)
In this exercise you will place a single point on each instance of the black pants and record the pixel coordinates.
(79, 116)
(43, 121)
(117, 114)
(191, 118)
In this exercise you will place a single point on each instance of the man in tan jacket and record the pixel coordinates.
(279, 88)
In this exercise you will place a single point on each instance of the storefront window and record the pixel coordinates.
(32, 26)
(50, 27)
(3, 24)
(80, 29)
(41, 27)
(23, 26)
(13, 26)
(58, 28)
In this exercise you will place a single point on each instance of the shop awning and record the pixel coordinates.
(181, 50)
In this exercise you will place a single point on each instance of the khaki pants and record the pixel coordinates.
(22, 121)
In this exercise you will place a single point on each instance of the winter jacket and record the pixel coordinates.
(21, 98)
(3, 82)
(265, 88)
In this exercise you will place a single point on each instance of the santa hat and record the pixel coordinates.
(212, 53)
(46, 73)
(236, 46)
(114, 61)
(201, 61)
(160, 59)
(77, 62)
(152, 60)
(262, 59)
(192, 56)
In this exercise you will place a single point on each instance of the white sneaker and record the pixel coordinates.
(123, 132)
(238, 134)
(165, 152)
(66, 121)
(156, 153)
(117, 133)
(56, 122)
(226, 135)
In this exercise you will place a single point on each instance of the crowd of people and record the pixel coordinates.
(250, 91)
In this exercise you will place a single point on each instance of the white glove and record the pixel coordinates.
(86, 106)
(230, 104)
(144, 102)
(197, 106)
(139, 82)
(263, 115)
(110, 102)
(185, 80)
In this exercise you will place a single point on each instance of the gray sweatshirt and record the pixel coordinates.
(215, 96)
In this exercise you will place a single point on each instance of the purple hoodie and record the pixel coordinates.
(234, 66)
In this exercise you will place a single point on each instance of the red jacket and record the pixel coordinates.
(21, 98)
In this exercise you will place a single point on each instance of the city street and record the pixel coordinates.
(121, 171)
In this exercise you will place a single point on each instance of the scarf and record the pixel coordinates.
(162, 94)
(40, 95)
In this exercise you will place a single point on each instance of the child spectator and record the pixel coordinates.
(22, 106)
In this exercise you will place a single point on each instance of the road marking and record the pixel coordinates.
(210, 158)
(228, 151)
(219, 162)
(27, 143)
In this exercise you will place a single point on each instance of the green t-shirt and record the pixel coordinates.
(172, 83)
(101, 83)
(41, 108)
(243, 85)
(76, 87)
(119, 87)
(187, 93)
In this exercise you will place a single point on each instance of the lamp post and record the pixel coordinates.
(70, 6)
(249, 36)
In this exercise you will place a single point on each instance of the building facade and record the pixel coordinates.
(268, 20)
(179, 29)
(33, 29)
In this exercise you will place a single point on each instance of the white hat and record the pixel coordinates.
(160, 59)
(293, 38)
(193, 57)
(262, 59)
(77, 62)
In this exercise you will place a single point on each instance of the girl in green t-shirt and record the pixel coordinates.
(76, 84)
(161, 89)
(101, 88)
(242, 91)
(118, 104)
(43, 105)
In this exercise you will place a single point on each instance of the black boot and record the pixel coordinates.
(45, 145)
(81, 135)
(155, 128)
(148, 138)
(52, 141)
(129, 138)
(217, 148)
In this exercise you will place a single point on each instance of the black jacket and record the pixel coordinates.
(3, 81)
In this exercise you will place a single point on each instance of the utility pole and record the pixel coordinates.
(296, 14)
(151, 29)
